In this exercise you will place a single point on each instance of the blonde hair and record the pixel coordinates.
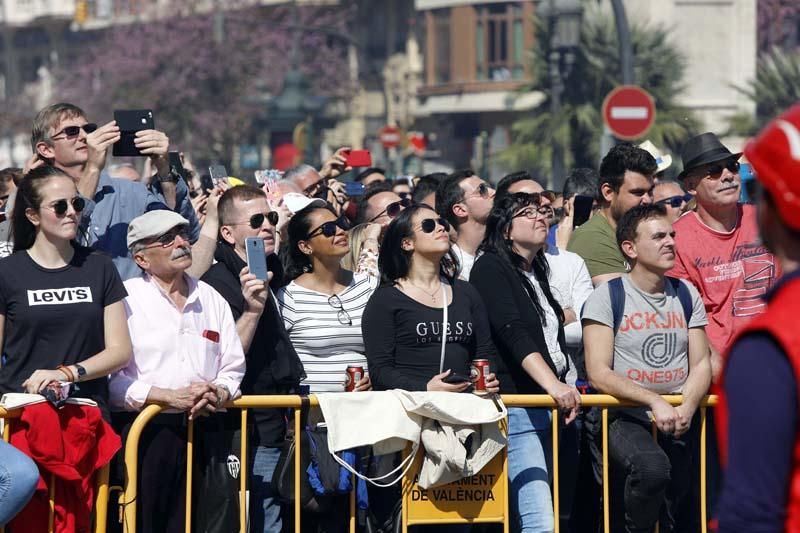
(356, 237)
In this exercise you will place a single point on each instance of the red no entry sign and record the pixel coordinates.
(390, 136)
(629, 111)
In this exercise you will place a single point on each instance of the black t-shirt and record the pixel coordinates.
(403, 338)
(55, 316)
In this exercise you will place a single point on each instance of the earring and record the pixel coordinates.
(307, 269)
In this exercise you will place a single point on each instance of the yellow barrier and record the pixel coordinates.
(101, 483)
(294, 402)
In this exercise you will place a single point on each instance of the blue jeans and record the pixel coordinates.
(265, 509)
(18, 478)
(529, 456)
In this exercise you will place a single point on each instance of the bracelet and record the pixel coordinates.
(67, 372)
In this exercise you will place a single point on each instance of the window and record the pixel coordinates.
(500, 42)
(441, 35)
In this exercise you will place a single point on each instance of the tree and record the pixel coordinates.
(204, 75)
(775, 88)
(578, 128)
(775, 19)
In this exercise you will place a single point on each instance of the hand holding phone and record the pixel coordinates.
(256, 257)
(354, 188)
(217, 173)
(581, 209)
(129, 122)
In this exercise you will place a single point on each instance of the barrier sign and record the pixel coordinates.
(482, 497)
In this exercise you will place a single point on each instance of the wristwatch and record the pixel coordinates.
(81, 372)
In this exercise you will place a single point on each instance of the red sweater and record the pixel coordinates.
(71, 443)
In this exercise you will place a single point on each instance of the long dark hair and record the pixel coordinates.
(394, 262)
(295, 262)
(495, 241)
(23, 232)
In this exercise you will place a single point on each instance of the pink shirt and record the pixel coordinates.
(731, 270)
(173, 349)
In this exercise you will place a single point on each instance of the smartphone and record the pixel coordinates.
(358, 158)
(583, 209)
(354, 188)
(176, 165)
(217, 173)
(456, 378)
(130, 121)
(264, 176)
(256, 257)
(206, 183)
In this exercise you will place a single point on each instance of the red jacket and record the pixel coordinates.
(72, 443)
(780, 322)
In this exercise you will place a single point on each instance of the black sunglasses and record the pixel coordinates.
(328, 229)
(258, 219)
(715, 171)
(393, 209)
(60, 207)
(428, 225)
(675, 201)
(481, 190)
(72, 131)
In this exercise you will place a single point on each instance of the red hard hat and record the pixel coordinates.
(775, 157)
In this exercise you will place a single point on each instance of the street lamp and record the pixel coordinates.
(564, 23)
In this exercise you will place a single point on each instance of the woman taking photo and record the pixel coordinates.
(62, 317)
(403, 321)
(526, 323)
(323, 303)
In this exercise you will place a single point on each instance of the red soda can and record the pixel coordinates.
(354, 375)
(479, 371)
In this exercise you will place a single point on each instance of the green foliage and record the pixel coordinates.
(578, 127)
(775, 89)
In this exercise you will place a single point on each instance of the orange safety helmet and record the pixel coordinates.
(775, 157)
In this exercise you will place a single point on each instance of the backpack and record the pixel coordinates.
(617, 293)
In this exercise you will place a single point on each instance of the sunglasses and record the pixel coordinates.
(257, 220)
(72, 131)
(428, 225)
(393, 209)
(60, 207)
(715, 171)
(531, 213)
(328, 229)
(343, 316)
(481, 190)
(675, 201)
(168, 239)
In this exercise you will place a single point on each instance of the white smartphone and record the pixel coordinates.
(256, 257)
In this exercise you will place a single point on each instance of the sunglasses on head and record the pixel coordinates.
(715, 171)
(72, 131)
(393, 209)
(675, 201)
(60, 207)
(257, 220)
(328, 229)
(428, 225)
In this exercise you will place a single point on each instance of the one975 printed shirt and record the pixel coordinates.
(55, 316)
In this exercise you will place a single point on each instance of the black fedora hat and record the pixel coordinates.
(701, 150)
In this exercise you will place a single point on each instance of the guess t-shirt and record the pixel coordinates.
(55, 316)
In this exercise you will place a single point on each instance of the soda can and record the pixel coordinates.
(354, 375)
(479, 371)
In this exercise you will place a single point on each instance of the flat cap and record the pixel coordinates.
(153, 224)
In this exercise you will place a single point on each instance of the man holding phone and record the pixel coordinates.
(63, 137)
(273, 366)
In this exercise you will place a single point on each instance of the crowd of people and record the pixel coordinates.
(117, 292)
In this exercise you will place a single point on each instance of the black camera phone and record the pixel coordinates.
(129, 122)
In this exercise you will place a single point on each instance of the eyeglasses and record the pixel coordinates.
(342, 315)
(314, 188)
(481, 190)
(60, 207)
(72, 131)
(428, 225)
(257, 220)
(168, 239)
(715, 171)
(675, 201)
(393, 209)
(533, 212)
(328, 229)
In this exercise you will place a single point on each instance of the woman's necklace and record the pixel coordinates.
(431, 295)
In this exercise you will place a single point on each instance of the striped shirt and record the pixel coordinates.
(327, 337)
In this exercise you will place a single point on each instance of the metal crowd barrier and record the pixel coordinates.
(101, 482)
(128, 497)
